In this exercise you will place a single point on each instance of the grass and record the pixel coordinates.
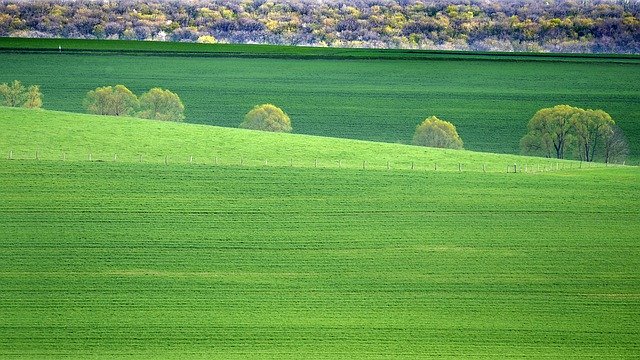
(280, 51)
(59, 135)
(366, 96)
(126, 260)
(117, 258)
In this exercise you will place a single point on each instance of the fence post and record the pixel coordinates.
(291, 162)
(460, 167)
(11, 155)
(388, 166)
(340, 163)
(315, 164)
(435, 167)
(90, 157)
(484, 168)
(37, 155)
(140, 157)
(364, 164)
(115, 157)
(413, 165)
(266, 162)
(190, 159)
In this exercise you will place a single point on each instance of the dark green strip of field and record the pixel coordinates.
(490, 101)
(107, 260)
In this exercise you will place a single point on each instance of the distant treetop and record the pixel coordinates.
(609, 26)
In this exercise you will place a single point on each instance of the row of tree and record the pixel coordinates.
(432, 132)
(523, 25)
(17, 95)
(556, 131)
(552, 132)
(157, 103)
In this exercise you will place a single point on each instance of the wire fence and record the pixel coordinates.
(535, 165)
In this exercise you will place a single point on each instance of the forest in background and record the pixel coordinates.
(570, 26)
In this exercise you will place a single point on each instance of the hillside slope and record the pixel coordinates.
(368, 94)
(59, 135)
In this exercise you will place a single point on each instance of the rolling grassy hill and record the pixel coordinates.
(133, 260)
(359, 94)
(59, 135)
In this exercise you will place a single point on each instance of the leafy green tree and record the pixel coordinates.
(434, 132)
(550, 131)
(108, 100)
(16, 95)
(267, 117)
(161, 104)
(590, 127)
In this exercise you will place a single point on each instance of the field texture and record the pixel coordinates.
(369, 95)
(51, 135)
(104, 260)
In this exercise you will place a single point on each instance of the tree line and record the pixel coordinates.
(611, 26)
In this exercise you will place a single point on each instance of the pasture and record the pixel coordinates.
(51, 135)
(366, 95)
(101, 260)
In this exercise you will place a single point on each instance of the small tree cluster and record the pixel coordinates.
(117, 100)
(553, 132)
(17, 95)
(433, 132)
(267, 117)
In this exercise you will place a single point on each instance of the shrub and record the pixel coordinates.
(434, 132)
(16, 95)
(267, 117)
(107, 100)
(161, 104)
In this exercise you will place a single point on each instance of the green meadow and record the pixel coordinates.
(51, 135)
(137, 239)
(358, 94)
(105, 260)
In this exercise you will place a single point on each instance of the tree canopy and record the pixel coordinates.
(434, 132)
(552, 132)
(478, 25)
(267, 117)
(108, 100)
(161, 104)
(16, 95)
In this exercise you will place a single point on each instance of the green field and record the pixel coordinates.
(50, 135)
(124, 260)
(121, 259)
(138, 239)
(359, 94)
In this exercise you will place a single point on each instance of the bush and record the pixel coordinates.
(16, 95)
(161, 104)
(434, 132)
(107, 100)
(267, 117)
